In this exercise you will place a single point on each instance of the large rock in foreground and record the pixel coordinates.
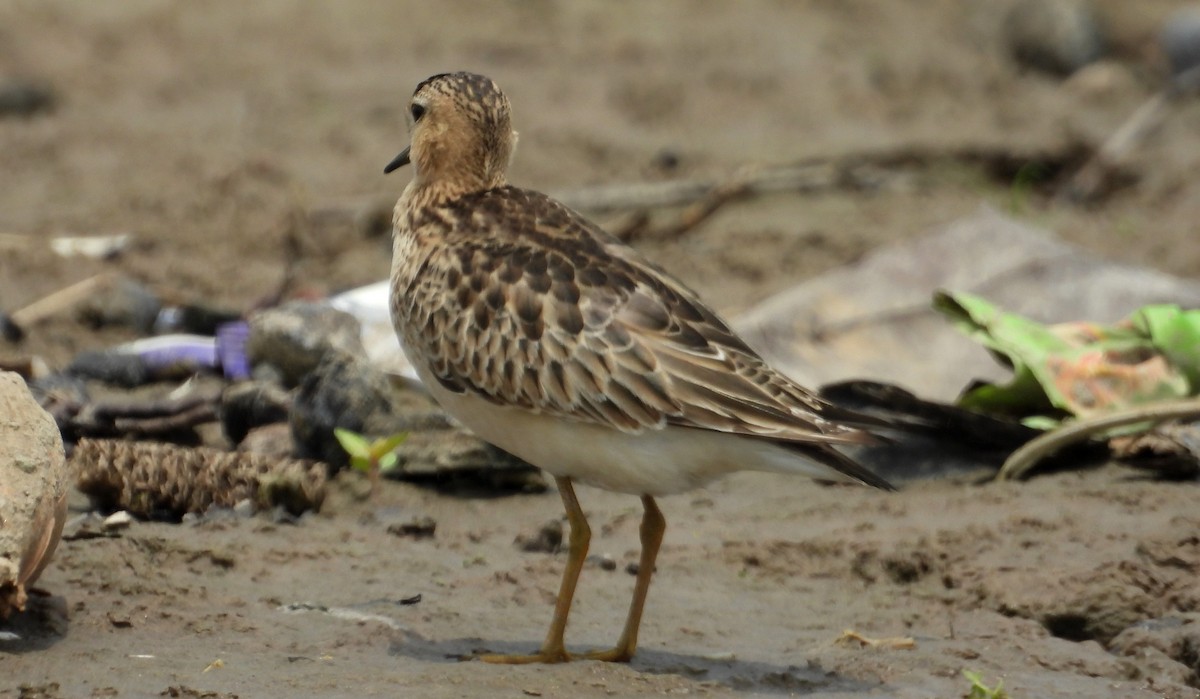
(33, 491)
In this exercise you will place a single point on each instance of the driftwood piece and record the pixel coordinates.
(692, 216)
(870, 170)
(1023, 461)
(62, 299)
(157, 480)
(805, 176)
(160, 417)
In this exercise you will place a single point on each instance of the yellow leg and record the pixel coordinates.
(553, 650)
(653, 526)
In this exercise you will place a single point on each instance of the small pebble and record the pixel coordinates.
(1054, 36)
(548, 539)
(25, 98)
(10, 331)
(602, 561)
(96, 247)
(666, 160)
(117, 521)
(244, 508)
(418, 528)
(634, 568)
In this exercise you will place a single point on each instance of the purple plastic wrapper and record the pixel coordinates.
(173, 351)
(231, 349)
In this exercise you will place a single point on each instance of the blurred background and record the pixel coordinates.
(236, 141)
(160, 159)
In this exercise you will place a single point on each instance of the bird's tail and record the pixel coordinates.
(828, 456)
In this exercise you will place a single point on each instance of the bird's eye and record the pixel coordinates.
(417, 112)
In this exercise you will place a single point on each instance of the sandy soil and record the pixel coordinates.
(215, 131)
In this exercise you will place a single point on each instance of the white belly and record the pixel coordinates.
(655, 462)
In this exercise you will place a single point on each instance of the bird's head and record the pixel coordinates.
(461, 133)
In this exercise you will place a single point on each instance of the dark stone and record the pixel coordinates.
(251, 404)
(24, 98)
(10, 331)
(547, 539)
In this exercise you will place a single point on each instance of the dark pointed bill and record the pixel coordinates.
(397, 162)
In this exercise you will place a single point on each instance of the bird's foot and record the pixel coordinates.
(620, 654)
(543, 656)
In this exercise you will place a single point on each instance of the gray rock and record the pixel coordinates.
(295, 337)
(33, 491)
(873, 319)
(1054, 36)
(124, 302)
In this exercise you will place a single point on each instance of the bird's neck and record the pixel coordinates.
(426, 193)
(430, 188)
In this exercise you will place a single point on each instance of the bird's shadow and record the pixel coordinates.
(734, 673)
(43, 623)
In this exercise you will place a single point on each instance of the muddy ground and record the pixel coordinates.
(215, 132)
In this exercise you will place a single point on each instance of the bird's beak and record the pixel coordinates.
(397, 162)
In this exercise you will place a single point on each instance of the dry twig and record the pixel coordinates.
(61, 300)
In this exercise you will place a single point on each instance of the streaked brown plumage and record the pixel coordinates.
(557, 342)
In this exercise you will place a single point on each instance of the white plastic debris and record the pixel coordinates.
(370, 305)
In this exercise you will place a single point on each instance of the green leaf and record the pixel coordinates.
(380, 447)
(979, 690)
(1079, 368)
(1175, 333)
(355, 444)
(387, 462)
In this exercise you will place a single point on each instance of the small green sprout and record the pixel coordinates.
(371, 458)
(979, 690)
(1027, 178)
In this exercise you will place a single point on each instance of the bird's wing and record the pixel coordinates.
(530, 305)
